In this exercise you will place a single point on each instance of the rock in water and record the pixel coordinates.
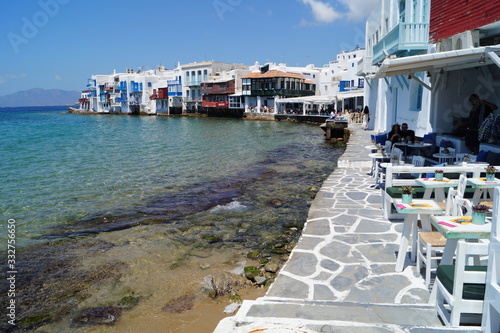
(274, 202)
(97, 316)
(223, 284)
(231, 308)
(180, 304)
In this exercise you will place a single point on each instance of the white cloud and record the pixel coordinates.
(7, 77)
(322, 11)
(58, 78)
(358, 9)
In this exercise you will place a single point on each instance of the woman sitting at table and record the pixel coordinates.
(395, 133)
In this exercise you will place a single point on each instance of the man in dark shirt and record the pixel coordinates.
(407, 134)
(481, 109)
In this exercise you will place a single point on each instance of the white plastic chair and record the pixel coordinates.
(417, 160)
(491, 308)
(462, 184)
(462, 207)
(430, 244)
(456, 301)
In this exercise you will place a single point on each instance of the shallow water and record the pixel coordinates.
(107, 206)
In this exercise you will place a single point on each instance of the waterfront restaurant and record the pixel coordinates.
(262, 89)
(454, 76)
(322, 105)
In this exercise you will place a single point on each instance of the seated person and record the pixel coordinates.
(407, 134)
(395, 133)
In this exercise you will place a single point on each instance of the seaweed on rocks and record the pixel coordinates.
(50, 282)
(180, 304)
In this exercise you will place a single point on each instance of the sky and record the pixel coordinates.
(60, 44)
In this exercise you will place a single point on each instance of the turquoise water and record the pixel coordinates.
(59, 167)
(107, 206)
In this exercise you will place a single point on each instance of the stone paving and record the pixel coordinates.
(340, 277)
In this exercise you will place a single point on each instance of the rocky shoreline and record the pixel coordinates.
(52, 287)
(63, 276)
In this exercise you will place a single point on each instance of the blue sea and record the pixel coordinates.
(119, 189)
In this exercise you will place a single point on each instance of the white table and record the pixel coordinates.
(422, 207)
(438, 186)
(448, 158)
(480, 184)
(419, 145)
(454, 231)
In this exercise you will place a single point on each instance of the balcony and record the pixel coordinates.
(162, 93)
(217, 90)
(206, 104)
(191, 83)
(404, 40)
(365, 66)
(281, 92)
(192, 99)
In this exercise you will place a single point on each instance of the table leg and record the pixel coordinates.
(376, 172)
(439, 194)
(403, 245)
(478, 193)
(449, 252)
(490, 192)
(427, 193)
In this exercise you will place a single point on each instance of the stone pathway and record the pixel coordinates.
(340, 277)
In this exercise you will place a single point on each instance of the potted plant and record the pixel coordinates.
(407, 193)
(394, 160)
(445, 149)
(379, 148)
(438, 174)
(490, 173)
(479, 214)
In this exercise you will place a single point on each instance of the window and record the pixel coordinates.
(425, 5)
(402, 9)
(416, 93)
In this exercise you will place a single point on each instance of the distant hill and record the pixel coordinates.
(40, 97)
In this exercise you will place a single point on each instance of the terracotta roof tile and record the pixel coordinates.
(274, 73)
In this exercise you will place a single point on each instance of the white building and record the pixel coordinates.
(196, 73)
(395, 29)
(265, 85)
(133, 92)
(341, 74)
